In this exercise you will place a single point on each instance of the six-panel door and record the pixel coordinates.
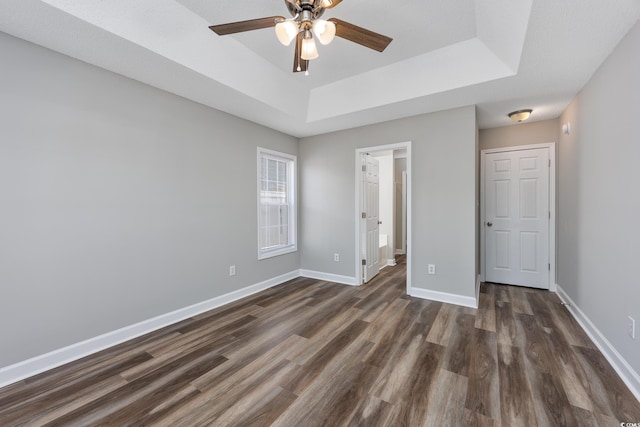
(517, 217)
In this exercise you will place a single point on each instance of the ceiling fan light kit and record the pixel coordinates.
(286, 31)
(309, 49)
(325, 31)
(304, 25)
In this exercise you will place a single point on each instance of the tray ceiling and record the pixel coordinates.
(500, 55)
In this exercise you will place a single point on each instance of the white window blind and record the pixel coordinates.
(276, 203)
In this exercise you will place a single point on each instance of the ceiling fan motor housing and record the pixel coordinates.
(304, 10)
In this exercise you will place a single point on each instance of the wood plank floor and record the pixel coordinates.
(316, 353)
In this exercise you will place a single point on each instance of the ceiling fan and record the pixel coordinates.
(304, 25)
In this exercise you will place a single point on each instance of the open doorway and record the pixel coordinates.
(383, 209)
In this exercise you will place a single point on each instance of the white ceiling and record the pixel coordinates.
(501, 55)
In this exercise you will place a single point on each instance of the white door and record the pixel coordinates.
(370, 233)
(517, 217)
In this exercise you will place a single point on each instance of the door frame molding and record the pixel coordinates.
(358, 191)
(552, 206)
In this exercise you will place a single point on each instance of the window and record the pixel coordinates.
(276, 203)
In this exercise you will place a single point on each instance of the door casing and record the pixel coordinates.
(552, 206)
(358, 209)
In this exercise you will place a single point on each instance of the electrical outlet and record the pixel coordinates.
(336, 257)
(631, 328)
(431, 269)
(232, 270)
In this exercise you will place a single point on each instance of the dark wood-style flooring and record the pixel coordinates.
(309, 353)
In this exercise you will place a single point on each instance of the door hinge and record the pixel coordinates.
(549, 214)
(549, 266)
(364, 262)
(364, 168)
(364, 215)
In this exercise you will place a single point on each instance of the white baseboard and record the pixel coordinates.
(444, 297)
(400, 252)
(329, 277)
(30, 367)
(389, 263)
(624, 370)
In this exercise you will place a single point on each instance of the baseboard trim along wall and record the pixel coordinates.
(30, 367)
(444, 297)
(624, 370)
(36, 365)
(329, 277)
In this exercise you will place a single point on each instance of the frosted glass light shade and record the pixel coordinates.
(309, 49)
(520, 115)
(286, 31)
(324, 30)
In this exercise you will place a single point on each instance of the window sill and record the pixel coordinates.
(270, 253)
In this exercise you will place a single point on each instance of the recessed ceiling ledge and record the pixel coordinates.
(460, 65)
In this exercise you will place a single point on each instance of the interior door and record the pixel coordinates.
(370, 217)
(517, 217)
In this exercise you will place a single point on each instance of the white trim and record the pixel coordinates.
(624, 370)
(552, 205)
(359, 152)
(399, 252)
(444, 297)
(292, 191)
(404, 211)
(30, 367)
(329, 277)
(399, 155)
(388, 263)
(478, 282)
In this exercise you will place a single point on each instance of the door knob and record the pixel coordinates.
(489, 224)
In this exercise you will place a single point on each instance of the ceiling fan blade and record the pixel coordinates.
(303, 64)
(241, 26)
(361, 35)
(328, 4)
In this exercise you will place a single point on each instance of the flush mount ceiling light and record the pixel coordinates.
(520, 115)
(305, 27)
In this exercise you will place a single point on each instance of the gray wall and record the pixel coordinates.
(599, 199)
(443, 169)
(118, 202)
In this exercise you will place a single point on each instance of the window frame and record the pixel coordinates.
(292, 163)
